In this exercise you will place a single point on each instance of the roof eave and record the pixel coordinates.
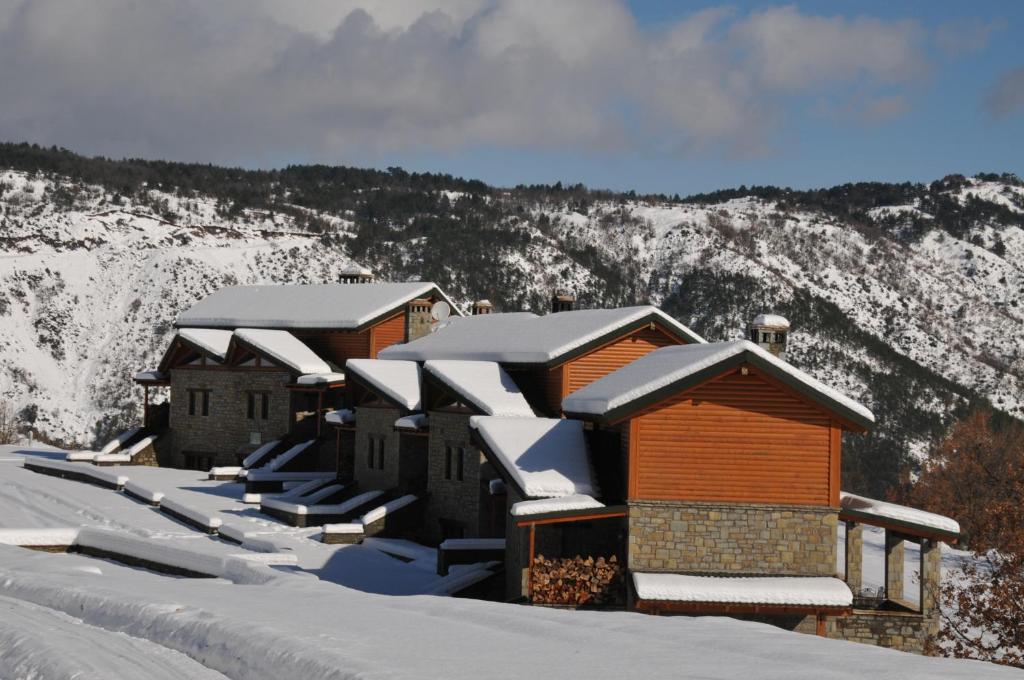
(352, 376)
(850, 418)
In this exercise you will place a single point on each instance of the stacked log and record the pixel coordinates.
(578, 581)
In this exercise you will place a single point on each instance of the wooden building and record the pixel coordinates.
(553, 355)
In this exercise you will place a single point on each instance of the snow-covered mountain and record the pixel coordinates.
(899, 304)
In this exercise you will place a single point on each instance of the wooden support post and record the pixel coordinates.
(529, 572)
(337, 452)
(145, 406)
(821, 628)
(319, 411)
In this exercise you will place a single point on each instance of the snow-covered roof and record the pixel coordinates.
(342, 416)
(398, 381)
(415, 421)
(545, 457)
(356, 270)
(329, 305)
(524, 338)
(284, 348)
(320, 378)
(542, 506)
(671, 368)
(771, 320)
(150, 376)
(210, 340)
(883, 510)
(483, 385)
(808, 591)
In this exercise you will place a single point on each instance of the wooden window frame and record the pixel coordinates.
(264, 405)
(199, 402)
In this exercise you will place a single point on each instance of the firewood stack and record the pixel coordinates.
(577, 581)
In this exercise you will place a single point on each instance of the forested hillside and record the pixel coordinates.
(906, 296)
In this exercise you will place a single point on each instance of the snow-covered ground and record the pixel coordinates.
(62, 614)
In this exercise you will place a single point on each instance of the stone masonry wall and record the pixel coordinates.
(904, 631)
(224, 434)
(450, 499)
(732, 538)
(376, 422)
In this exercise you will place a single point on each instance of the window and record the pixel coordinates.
(375, 452)
(198, 461)
(258, 402)
(199, 402)
(766, 337)
(453, 463)
(780, 338)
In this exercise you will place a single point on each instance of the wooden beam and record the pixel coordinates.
(529, 572)
(662, 606)
(319, 412)
(571, 518)
(910, 532)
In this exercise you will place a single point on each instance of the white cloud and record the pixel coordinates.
(957, 38)
(1006, 97)
(246, 80)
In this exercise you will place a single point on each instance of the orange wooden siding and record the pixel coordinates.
(736, 439)
(337, 346)
(613, 356)
(386, 333)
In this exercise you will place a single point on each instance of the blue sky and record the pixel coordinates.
(669, 97)
(947, 128)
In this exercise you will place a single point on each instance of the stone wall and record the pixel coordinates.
(417, 319)
(376, 421)
(729, 538)
(451, 500)
(905, 631)
(225, 434)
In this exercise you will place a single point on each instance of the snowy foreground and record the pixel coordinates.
(69, 615)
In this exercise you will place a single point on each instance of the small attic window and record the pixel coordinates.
(766, 337)
(780, 337)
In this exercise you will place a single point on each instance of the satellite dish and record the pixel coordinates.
(440, 311)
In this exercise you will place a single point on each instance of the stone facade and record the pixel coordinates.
(377, 423)
(893, 623)
(726, 538)
(417, 319)
(854, 557)
(458, 505)
(226, 433)
(905, 631)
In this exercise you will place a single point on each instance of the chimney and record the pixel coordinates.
(417, 319)
(562, 301)
(482, 307)
(770, 332)
(355, 273)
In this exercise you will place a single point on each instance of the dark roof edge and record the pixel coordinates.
(478, 441)
(352, 376)
(437, 383)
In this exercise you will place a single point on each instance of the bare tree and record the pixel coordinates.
(8, 425)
